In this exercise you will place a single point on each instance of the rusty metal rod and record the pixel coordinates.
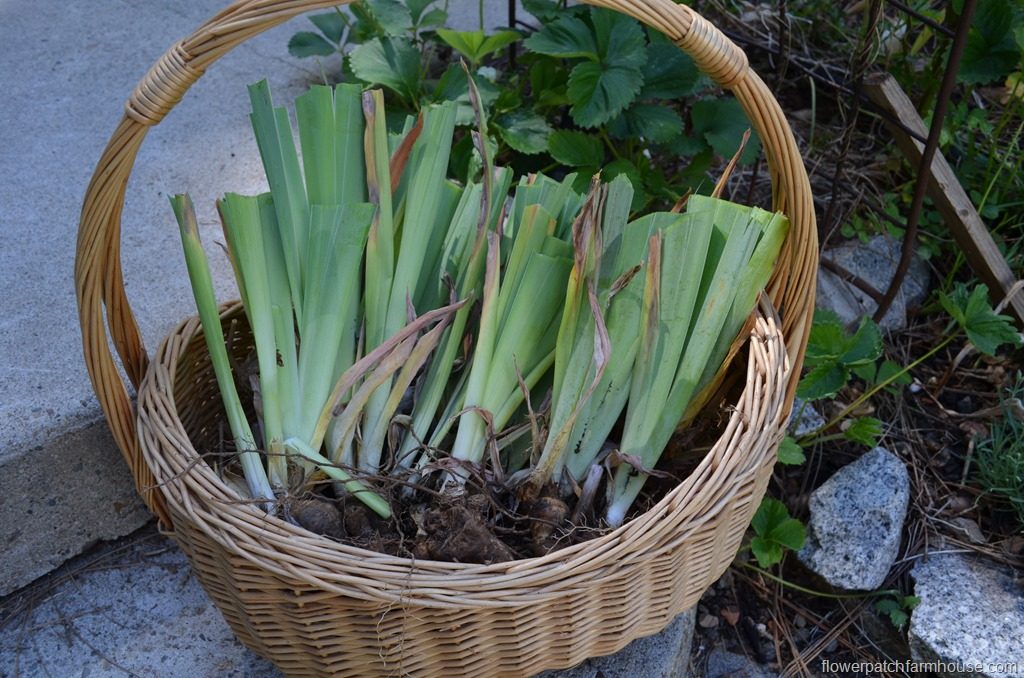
(924, 169)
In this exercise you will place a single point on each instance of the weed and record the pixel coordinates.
(1000, 457)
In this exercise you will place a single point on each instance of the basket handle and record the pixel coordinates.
(103, 305)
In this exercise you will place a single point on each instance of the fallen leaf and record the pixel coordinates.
(970, 529)
(731, 615)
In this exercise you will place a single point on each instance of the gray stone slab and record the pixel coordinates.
(724, 664)
(135, 609)
(663, 655)
(971, 614)
(43, 522)
(65, 71)
(874, 262)
(853, 534)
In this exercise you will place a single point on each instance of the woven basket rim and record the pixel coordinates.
(763, 394)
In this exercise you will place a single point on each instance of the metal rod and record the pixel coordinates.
(846, 275)
(930, 23)
(924, 169)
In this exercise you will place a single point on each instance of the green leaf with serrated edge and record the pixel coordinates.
(417, 8)
(790, 453)
(722, 123)
(669, 72)
(508, 101)
(776, 529)
(867, 372)
(769, 514)
(547, 75)
(499, 40)
(973, 313)
(466, 43)
(544, 10)
(986, 330)
(954, 303)
(598, 93)
(687, 145)
(864, 346)
(888, 369)
(991, 52)
(391, 62)
(894, 610)
(566, 37)
(823, 381)
(435, 17)
(826, 342)
(306, 44)
(826, 315)
(653, 122)
(392, 15)
(452, 85)
(575, 149)
(524, 131)
(865, 430)
(772, 523)
(475, 45)
(331, 24)
(620, 39)
(791, 533)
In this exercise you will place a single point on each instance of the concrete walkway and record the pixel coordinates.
(66, 70)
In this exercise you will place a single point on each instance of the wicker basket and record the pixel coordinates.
(317, 607)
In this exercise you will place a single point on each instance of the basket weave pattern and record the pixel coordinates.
(323, 608)
(317, 607)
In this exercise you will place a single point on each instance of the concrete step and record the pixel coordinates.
(66, 70)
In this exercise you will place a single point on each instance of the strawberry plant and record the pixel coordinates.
(590, 90)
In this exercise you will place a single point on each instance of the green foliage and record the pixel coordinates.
(613, 47)
(307, 44)
(887, 373)
(593, 90)
(476, 46)
(1000, 457)
(994, 46)
(391, 62)
(864, 430)
(524, 131)
(721, 122)
(575, 149)
(973, 313)
(775, 531)
(790, 452)
(897, 608)
(833, 356)
(832, 353)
